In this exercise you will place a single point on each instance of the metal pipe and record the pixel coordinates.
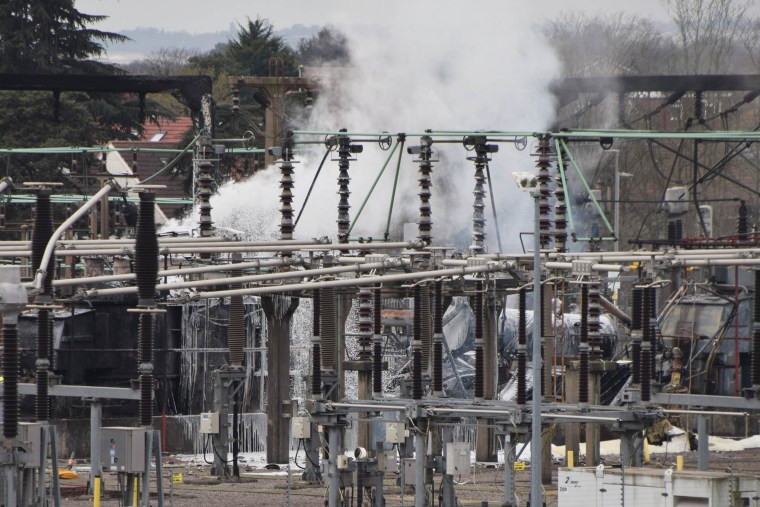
(366, 406)
(703, 451)
(367, 280)
(41, 273)
(250, 278)
(594, 267)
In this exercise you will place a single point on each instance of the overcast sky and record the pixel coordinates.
(197, 16)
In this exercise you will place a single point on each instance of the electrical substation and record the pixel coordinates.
(453, 354)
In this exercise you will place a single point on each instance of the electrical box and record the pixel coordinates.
(123, 449)
(395, 432)
(386, 461)
(457, 458)
(210, 423)
(410, 470)
(341, 462)
(300, 427)
(30, 437)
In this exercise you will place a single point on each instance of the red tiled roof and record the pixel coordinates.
(173, 129)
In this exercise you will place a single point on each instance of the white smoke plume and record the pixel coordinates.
(479, 66)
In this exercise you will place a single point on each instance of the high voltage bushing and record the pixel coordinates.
(522, 347)
(425, 151)
(675, 230)
(543, 163)
(345, 150)
(755, 368)
(10, 382)
(646, 347)
(42, 403)
(742, 218)
(204, 181)
(560, 213)
(546, 327)
(637, 309)
(583, 394)
(417, 345)
(236, 327)
(286, 193)
(479, 351)
(316, 353)
(438, 338)
(43, 229)
(594, 326)
(377, 343)
(328, 328)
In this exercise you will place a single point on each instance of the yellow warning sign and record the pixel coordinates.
(177, 478)
(519, 466)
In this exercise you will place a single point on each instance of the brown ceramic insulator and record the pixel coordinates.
(10, 363)
(329, 328)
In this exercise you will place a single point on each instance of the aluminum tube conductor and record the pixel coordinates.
(252, 278)
(367, 280)
(594, 267)
(40, 278)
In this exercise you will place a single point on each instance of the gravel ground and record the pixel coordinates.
(263, 488)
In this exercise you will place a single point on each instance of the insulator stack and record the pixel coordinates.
(146, 251)
(286, 200)
(365, 324)
(478, 207)
(425, 225)
(522, 347)
(637, 309)
(675, 231)
(417, 345)
(742, 219)
(203, 191)
(10, 383)
(426, 329)
(755, 368)
(316, 352)
(594, 325)
(42, 403)
(145, 368)
(479, 350)
(344, 154)
(134, 164)
(560, 212)
(646, 347)
(377, 343)
(583, 381)
(328, 328)
(546, 334)
(651, 322)
(544, 162)
(235, 100)
(236, 328)
(43, 229)
(438, 338)
(146, 270)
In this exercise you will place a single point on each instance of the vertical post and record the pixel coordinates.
(703, 454)
(535, 440)
(617, 200)
(509, 470)
(146, 473)
(420, 493)
(447, 482)
(96, 419)
(333, 475)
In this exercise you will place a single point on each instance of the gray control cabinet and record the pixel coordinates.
(122, 449)
(29, 433)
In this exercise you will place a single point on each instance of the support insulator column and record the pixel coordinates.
(426, 331)
(417, 345)
(651, 322)
(637, 309)
(543, 163)
(236, 328)
(365, 324)
(43, 230)
(345, 149)
(329, 329)
(316, 345)
(377, 344)
(10, 383)
(479, 324)
(522, 347)
(438, 338)
(583, 381)
(286, 193)
(425, 225)
(203, 189)
(742, 219)
(479, 206)
(646, 348)
(146, 270)
(560, 210)
(594, 325)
